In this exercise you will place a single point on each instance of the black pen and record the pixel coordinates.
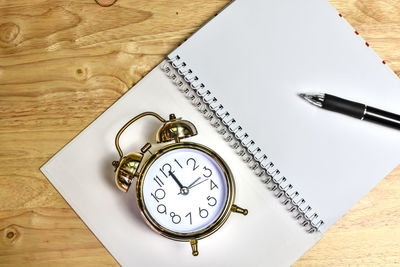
(353, 109)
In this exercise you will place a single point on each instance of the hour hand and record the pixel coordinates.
(184, 189)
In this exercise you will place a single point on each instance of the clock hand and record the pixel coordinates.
(198, 183)
(191, 185)
(176, 179)
(184, 189)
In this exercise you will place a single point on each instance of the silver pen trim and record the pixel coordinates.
(365, 112)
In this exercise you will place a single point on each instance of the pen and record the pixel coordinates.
(353, 109)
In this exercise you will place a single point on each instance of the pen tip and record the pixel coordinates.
(302, 95)
(315, 99)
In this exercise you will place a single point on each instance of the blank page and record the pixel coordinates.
(257, 55)
(83, 174)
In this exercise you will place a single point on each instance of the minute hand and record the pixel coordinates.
(197, 183)
(183, 191)
(191, 185)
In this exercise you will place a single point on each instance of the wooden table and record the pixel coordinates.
(62, 63)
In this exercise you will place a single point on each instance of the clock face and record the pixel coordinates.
(185, 190)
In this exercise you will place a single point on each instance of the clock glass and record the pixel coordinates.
(185, 190)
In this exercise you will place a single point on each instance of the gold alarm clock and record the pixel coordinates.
(185, 191)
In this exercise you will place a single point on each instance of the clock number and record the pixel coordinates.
(212, 185)
(190, 217)
(158, 181)
(177, 162)
(165, 169)
(203, 213)
(162, 209)
(207, 170)
(158, 194)
(194, 163)
(175, 218)
(211, 201)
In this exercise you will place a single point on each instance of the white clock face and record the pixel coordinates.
(185, 190)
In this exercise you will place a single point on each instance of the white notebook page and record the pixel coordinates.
(82, 173)
(257, 55)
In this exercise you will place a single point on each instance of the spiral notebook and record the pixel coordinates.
(298, 169)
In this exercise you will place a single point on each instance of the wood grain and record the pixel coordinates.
(62, 63)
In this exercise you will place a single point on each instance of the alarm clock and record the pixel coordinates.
(185, 191)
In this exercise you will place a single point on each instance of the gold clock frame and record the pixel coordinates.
(127, 168)
(230, 197)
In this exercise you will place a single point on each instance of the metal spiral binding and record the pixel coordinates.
(189, 84)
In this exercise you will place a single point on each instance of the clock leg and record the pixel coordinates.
(193, 244)
(239, 210)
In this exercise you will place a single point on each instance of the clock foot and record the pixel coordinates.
(239, 210)
(193, 244)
